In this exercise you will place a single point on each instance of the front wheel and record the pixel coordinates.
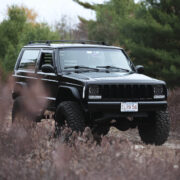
(155, 129)
(69, 112)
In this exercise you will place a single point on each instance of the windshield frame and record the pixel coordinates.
(59, 63)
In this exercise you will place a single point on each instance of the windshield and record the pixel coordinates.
(100, 58)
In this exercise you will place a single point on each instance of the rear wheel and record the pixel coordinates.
(69, 112)
(20, 114)
(101, 130)
(155, 129)
(123, 124)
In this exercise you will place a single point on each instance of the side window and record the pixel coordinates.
(29, 59)
(46, 58)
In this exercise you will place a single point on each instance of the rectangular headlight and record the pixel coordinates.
(94, 92)
(159, 92)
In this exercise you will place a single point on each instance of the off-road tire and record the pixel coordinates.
(98, 131)
(69, 112)
(155, 129)
(122, 124)
(17, 108)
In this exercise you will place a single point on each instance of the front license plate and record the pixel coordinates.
(129, 107)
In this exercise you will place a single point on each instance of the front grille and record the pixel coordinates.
(126, 92)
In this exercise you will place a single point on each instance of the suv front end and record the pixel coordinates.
(109, 97)
(116, 93)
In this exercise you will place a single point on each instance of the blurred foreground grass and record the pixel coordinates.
(34, 154)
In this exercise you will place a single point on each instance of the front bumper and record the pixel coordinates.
(115, 107)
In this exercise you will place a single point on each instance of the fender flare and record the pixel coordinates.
(66, 91)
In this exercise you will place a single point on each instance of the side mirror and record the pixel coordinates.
(47, 68)
(140, 69)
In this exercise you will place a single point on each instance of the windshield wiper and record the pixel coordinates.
(113, 67)
(81, 67)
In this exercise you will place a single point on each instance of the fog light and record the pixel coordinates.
(95, 97)
(159, 96)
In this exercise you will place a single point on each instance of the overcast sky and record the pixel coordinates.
(51, 11)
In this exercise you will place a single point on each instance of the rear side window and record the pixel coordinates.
(46, 58)
(29, 59)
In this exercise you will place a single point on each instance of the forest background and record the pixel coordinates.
(148, 30)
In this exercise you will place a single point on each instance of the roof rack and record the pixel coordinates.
(48, 42)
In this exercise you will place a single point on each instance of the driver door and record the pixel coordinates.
(49, 80)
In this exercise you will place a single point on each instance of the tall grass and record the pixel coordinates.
(32, 153)
(174, 109)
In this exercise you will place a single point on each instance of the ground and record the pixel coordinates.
(121, 155)
(31, 152)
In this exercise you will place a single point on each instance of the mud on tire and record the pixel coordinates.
(69, 112)
(155, 129)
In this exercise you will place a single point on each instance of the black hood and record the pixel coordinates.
(112, 77)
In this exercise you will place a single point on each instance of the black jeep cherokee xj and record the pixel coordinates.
(94, 85)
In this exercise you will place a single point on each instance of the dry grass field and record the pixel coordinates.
(33, 153)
